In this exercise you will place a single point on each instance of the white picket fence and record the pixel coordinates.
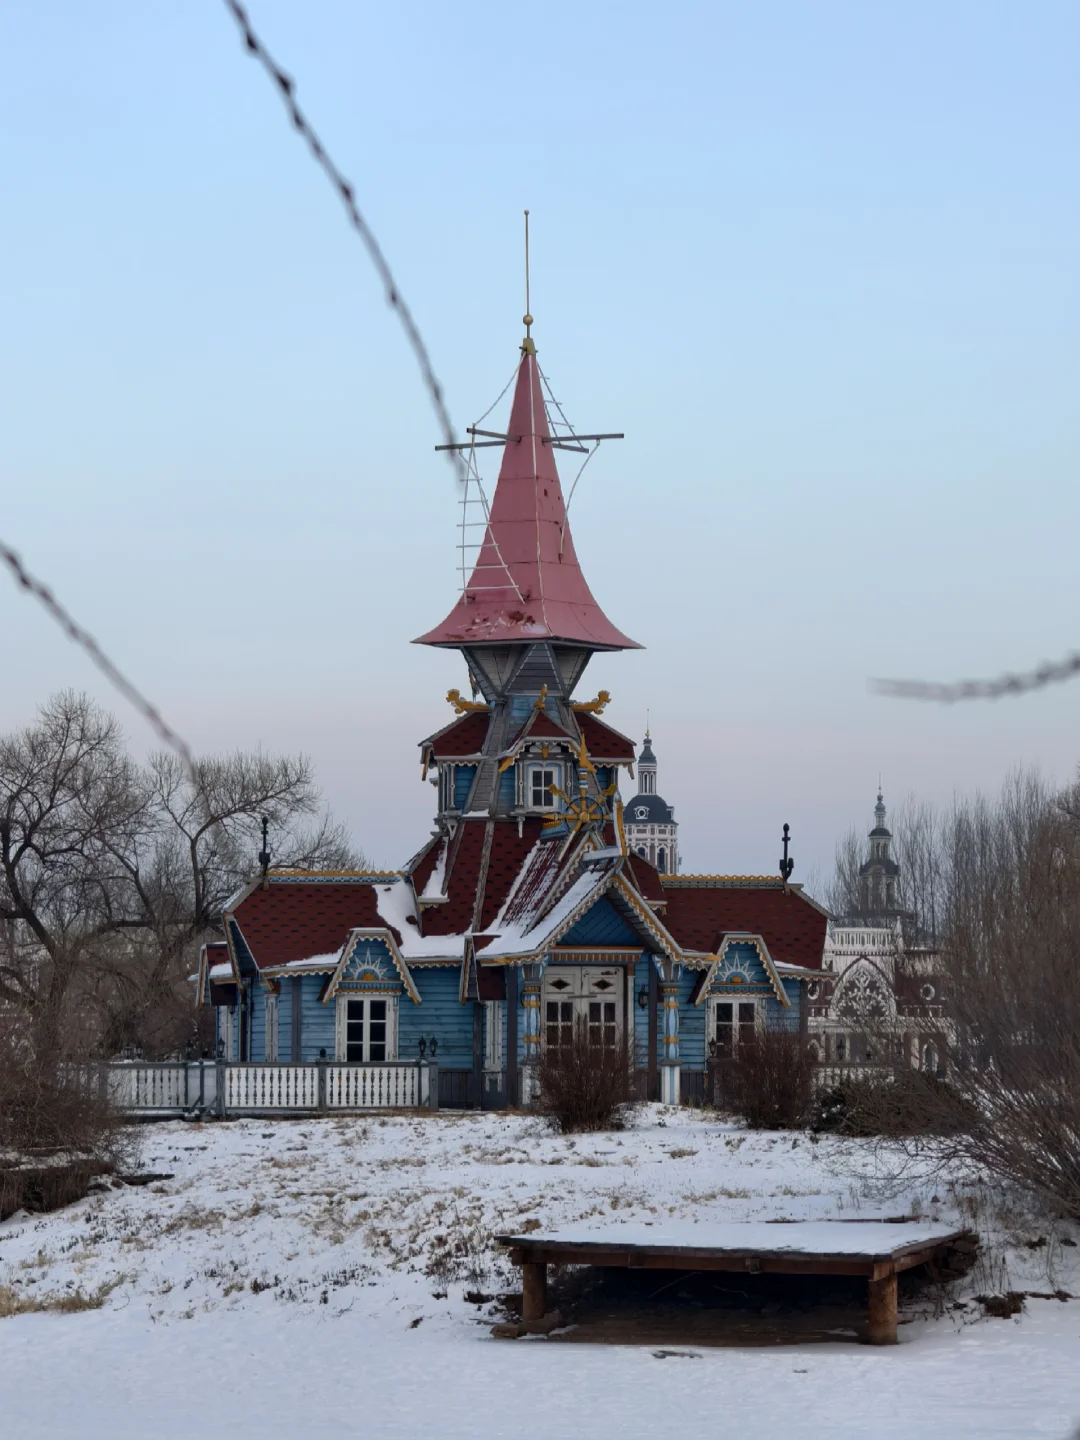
(373, 1087)
(149, 1089)
(271, 1087)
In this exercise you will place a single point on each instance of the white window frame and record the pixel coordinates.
(494, 1013)
(227, 1031)
(446, 787)
(540, 768)
(737, 1025)
(341, 1025)
(270, 1027)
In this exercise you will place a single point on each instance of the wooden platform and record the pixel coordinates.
(877, 1249)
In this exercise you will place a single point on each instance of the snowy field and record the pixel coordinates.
(309, 1278)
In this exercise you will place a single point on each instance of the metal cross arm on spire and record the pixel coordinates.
(472, 445)
(564, 441)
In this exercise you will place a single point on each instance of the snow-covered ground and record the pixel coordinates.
(309, 1278)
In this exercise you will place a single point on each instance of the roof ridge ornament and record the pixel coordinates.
(787, 864)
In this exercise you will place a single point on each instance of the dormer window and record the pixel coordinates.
(446, 787)
(539, 781)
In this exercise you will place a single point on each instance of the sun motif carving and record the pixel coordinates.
(366, 966)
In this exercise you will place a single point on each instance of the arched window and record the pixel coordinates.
(929, 1059)
(643, 852)
(661, 860)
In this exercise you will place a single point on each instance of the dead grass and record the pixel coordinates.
(66, 1302)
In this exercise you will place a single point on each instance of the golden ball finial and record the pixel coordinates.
(526, 320)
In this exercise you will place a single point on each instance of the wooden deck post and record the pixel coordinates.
(533, 1292)
(881, 1309)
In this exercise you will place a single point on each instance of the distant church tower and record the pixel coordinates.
(879, 876)
(651, 829)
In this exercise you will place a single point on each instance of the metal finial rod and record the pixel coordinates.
(528, 307)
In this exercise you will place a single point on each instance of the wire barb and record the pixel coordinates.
(1049, 673)
(86, 641)
(287, 85)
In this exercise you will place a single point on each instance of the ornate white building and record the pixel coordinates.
(651, 829)
(878, 1000)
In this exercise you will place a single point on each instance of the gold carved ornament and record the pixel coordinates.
(463, 706)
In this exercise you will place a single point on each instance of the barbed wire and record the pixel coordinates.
(86, 641)
(287, 87)
(1049, 673)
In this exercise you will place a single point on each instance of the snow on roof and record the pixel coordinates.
(311, 963)
(435, 888)
(525, 934)
(397, 907)
(218, 973)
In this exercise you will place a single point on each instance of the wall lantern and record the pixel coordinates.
(421, 1045)
(433, 1045)
(643, 998)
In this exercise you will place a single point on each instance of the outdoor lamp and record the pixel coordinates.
(422, 1046)
(643, 998)
(434, 1046)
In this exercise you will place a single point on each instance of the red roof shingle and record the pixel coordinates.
(462, 737)
(601, 741)
(463, 873)
(296, 919)
(698, 915)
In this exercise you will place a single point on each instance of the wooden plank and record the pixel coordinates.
(533, 1292)
(881, 1310)
(681, 1260)
(569, 1251)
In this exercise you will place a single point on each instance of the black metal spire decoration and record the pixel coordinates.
(264, 853)
(787, 864)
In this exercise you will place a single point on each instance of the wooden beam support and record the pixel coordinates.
(533, 1292)
(881, 1310)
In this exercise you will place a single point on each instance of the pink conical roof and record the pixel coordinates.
(527, 583)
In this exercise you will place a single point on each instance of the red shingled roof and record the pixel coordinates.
(541, 727)
(462, 737)
(295, 919)
(463, 873)
(601, 741)
(528, 584)
(425, 863)
(508, 853)
(699, 915)
(646, 877)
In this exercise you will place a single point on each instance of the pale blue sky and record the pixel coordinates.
(818, 260)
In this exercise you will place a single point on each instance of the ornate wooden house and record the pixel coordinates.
(527, 913)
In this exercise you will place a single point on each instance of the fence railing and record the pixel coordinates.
(155, 1089)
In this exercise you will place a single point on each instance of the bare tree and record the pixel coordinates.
(997, 880)
(112, 873)
(842, 894)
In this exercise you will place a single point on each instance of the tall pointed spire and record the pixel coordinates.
(527, 584)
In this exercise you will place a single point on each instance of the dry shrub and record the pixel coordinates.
(767, 1083)
(584, 1087)
(893, 1105)
(57, 1128)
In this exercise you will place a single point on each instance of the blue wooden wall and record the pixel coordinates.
(441, 1014)
(601, 925)
(463, 779)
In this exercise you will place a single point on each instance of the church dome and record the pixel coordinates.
(647, 810)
